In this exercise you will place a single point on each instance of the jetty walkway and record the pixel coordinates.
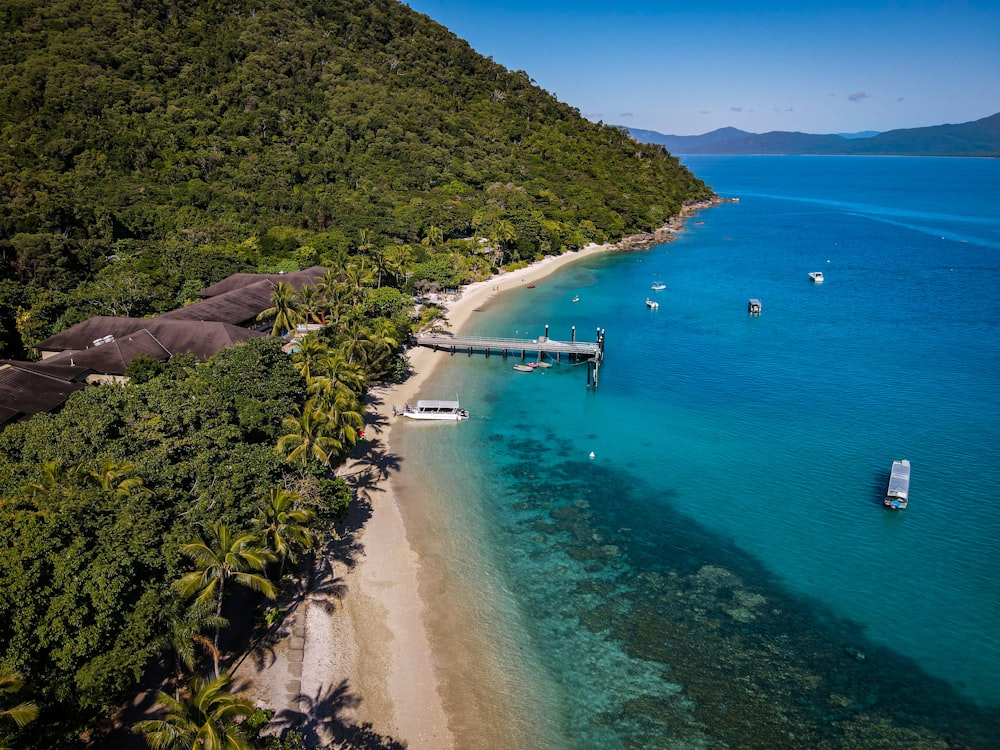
(575, 351)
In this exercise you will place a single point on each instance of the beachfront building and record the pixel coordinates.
(100, 349)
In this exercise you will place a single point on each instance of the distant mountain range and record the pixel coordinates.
(978, 138)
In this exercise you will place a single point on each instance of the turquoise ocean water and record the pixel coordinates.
(722, 572)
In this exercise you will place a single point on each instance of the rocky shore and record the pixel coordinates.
(667, 231)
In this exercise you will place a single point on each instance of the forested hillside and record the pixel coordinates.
(150, 147)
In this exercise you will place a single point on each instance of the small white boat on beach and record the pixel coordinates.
(658, 286)
(652, 304)
(436, 410)
(897, 494)
(816, 276)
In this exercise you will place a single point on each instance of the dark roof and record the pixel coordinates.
(25, 391)
(84, 334)
(57, 370)
(113, 358)
(240, 306)
(297, 279)
(202, 338)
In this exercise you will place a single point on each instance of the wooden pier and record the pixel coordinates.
(591, 353)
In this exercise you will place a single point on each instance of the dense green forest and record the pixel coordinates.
(151, 148)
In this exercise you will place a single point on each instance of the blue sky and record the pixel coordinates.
(688, 68)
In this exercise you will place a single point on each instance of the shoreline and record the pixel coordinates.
(398, 669)
(360, 648)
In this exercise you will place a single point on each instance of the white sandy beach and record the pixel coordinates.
(363, 656)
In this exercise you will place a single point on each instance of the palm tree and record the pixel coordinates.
(352, 341)
(284, 309)
(365, 244)
(218, 559)
(397, 259)
(206, 718)
(54, 482)
(500, 233)
(334, 370)
(309, 356)
(357, 280)
(117, 478)
(24, 712)
(310, 304)
(308, 435)
(184, 634)
(379, 343)
(284, 528)
(433, 236)
(346, 415)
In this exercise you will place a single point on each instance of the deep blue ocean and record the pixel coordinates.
(722, 572)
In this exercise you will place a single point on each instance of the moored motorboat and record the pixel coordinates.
(659, 286)
(897, 494)
(652, 304)
(543, 365)
(436, 410)
(816, 276)
(523, 368)
(576, 298)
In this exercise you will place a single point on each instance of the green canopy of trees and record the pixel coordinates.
(155, 146)
(94, 542)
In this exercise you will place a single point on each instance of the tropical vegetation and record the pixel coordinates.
(154, 147)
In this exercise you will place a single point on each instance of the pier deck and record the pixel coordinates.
(592, 353)
(486, 344)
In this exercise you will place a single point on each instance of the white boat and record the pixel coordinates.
(652, 304)
(439, 410)
(659, 286)
(897, 494)
(816, 276)
(576, 298)
(543, 365)
(524, 368)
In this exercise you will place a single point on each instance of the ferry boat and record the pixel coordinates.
(439, 410)
(897, 494)
(816, 276)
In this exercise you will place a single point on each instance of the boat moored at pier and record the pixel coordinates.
(436, 410)
(897, 494)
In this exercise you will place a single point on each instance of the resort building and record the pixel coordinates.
(99, 349)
